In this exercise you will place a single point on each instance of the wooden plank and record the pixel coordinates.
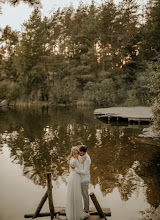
(50, 198)
(89, 218)
(47, 214)
(61, 212)
(97, 205)
(44, 198)
(106, 211)
(39, 215)
(136, 113)
(92, 211)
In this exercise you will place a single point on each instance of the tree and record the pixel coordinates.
(128, 18)
(30, 2)
(154, 85)
(101, 50)
(9, 40)
(16, 2)
(33, 55)
(150, 31)
(82, 45)
(107, 29)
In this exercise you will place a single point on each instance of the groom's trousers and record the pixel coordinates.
(84, 187)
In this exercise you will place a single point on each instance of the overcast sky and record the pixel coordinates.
(15, 16)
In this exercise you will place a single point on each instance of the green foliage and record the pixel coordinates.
(154, 77)
(92, 54)
(150, 32)
(102, 94)
(156, 115)
(30, 2)
(62, 91)
(132, 99)
(3, 90)
(9, 90)
(154, 85)
(139, 94)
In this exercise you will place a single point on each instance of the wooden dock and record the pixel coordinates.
(89, 218)
(59, 213)
(128, 114)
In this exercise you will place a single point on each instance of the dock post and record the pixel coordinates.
(50, 198)
(44, 198)
(97, 205)
(117, 120)
(48, 194)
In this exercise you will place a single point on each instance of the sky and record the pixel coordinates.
(15, 16)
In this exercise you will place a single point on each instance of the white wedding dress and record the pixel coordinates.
(74, 207)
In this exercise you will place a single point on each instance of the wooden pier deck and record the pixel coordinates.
(59, 213)
(129, 114)
(93, 214)
(89, 218)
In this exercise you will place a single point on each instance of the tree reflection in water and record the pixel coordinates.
(40, 141)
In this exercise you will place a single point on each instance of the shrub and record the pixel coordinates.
(9, 90)
(3, 89)
(63, 91)
(156, 116)
(102, 93)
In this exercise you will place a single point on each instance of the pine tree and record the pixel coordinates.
(151, 31)
(33, 55)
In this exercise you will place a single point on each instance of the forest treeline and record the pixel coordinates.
(104, 55)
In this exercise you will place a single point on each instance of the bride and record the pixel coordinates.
(74, 208)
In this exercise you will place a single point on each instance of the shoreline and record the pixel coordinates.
(75, 103)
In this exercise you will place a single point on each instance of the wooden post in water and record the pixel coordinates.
(48, 194)
(50, 198)
(61, 211)
(97, 205)
(44, 198)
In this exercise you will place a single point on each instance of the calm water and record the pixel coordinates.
(124, 171)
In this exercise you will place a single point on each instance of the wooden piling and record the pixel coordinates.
(97, 205)
(38, 215)
(61, 211)
(44, 198)
(50, 198)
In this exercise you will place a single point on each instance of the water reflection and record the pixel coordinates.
(40, 140)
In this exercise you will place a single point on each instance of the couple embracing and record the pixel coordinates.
(78, 183)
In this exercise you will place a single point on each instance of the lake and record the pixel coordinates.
(124, 170)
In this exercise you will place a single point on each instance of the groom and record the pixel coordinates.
(85, 175)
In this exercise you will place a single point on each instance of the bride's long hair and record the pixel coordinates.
(74, 148)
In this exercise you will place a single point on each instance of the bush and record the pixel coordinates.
(9, 90)
(156, 116)
(3, 89)
(63, 91)
(132, 99)
(102, 93)
(154, 85)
